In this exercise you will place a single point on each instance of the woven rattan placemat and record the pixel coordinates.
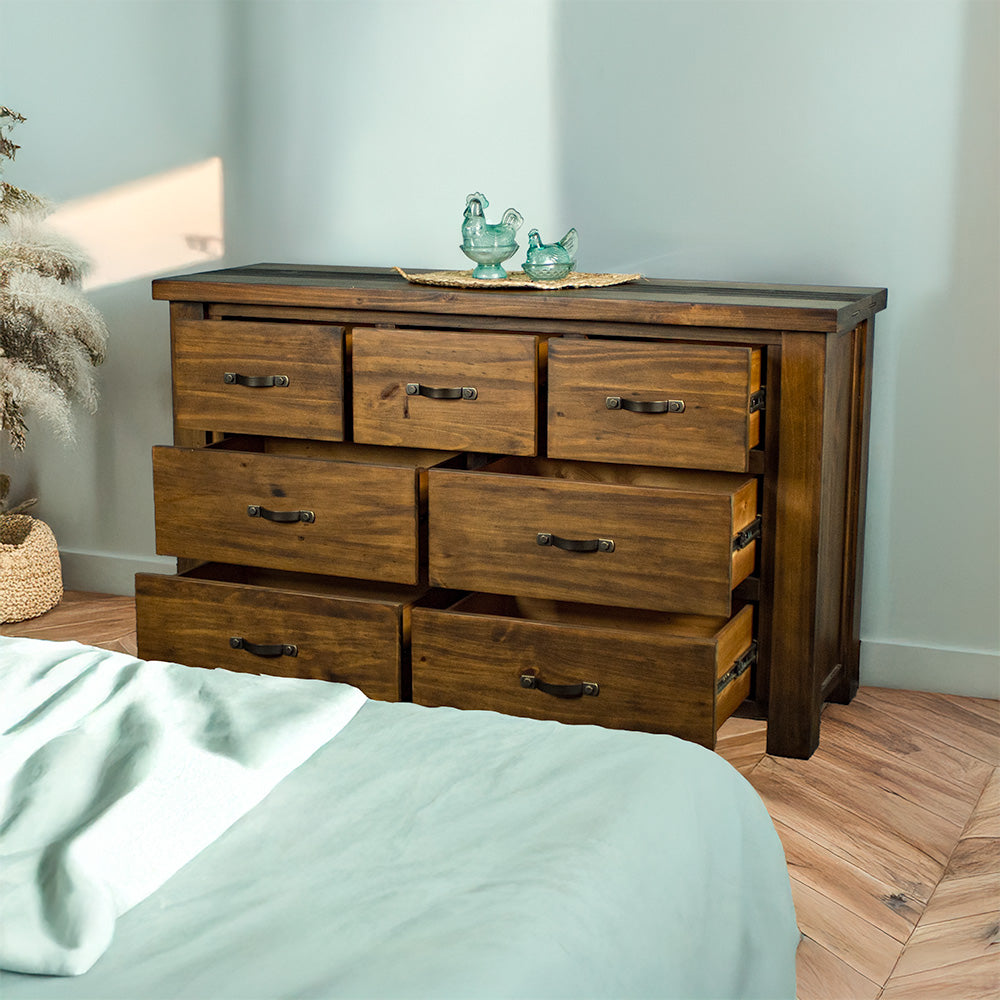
(515, 279)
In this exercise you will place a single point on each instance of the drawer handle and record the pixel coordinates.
(462, 392)
(644, 406)
(282, 516)
(256, 381)
(278, 649)
(560, 690)
(576, 544)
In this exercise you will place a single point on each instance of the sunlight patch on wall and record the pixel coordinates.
(171, 220)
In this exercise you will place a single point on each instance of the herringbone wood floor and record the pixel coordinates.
(891, 829)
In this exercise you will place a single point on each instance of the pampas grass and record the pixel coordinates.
(51, 337)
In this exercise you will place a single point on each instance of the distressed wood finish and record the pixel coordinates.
(367, 515)
(340, 632)
(812, 347)
(654, 672)
(503, 371)
(714, 430)
(660, 302)
(672, 534)
(311, 357)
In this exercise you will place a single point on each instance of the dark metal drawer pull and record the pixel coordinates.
(747, 535)
(255, 381)
(643, 406)
(279, 649)
(462, 392)
(560, 690)
(283, 516)
(576, 545)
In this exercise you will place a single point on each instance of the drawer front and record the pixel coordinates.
(471, 392)
(653, 404)
(222, 505)
(591, 667)
(259, 378)
(219, 623)
(672, 549)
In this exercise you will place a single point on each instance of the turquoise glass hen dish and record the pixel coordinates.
(488, 244)
(550, 261)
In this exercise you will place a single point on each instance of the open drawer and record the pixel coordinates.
(311, 507)
(679, 674)
(293, 625)
(663, 539)
(254, 377)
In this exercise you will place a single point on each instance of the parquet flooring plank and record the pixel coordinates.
(988, 708)
(985, 818)
(964, 896)
(911, 746)
(849, 886)
(975, 980)
(952, 724)
(858, 840)
(852, 939)
(974, 856)
(951, 942)
(743, 742)
(821, 975)
(853, 788)
(840, 747)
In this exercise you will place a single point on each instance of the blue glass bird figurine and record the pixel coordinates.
(488, 244)
(550, 261)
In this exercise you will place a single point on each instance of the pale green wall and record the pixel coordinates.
(814, 141)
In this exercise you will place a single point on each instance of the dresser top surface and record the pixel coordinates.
(812, 308)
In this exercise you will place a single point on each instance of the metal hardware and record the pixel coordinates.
(589, 688)
(278, 649)
(576, 545)
(757, 400)
(281, 516)
(747, 535)
(461, 392)
(743, 663)
(256, 381)
(644, 406)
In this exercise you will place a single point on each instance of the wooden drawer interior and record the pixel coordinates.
(255, 377)
(266, 621)
(680, 405)
(651, 671)
(472, 392)
(660, 539)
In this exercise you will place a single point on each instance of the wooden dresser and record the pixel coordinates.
(636, 506)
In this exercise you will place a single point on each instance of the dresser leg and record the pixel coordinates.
(810, 533)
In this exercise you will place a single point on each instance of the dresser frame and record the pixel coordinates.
(812, 461)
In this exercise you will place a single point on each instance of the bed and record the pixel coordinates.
(177, 832)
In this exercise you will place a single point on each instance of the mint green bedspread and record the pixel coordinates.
(436, 853)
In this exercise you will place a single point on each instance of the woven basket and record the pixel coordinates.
(30, 572)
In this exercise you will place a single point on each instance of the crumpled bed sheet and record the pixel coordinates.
(436, 853)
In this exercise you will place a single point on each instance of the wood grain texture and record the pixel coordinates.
(338, 637)
(672, 545)
(651, 675)
(311, 357)
(715, 430)
(503, 371)
(366, 516)
(687, 303)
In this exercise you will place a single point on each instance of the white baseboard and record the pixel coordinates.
(969, 672)
(109, 572)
